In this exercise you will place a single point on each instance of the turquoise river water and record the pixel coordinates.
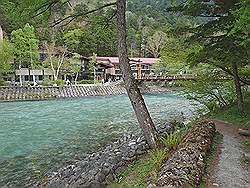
(39, 136)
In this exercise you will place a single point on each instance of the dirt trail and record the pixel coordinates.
(228, 172)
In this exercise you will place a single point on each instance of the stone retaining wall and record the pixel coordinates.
(186, 166)
(53, 92)
(39, 93)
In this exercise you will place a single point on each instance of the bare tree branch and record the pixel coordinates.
(109, 19)
(247, 82)
(74, 16)
(47, 6)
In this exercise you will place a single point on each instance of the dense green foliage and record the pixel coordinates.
(96, 32)
(230, 113)
(6, 55)
(25, 46)
(211, 88)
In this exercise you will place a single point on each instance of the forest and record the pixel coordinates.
(208, 38)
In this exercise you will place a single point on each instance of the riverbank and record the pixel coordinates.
(101, 166)
(226, 156)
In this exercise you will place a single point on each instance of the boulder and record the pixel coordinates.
(247, 156)
(244, 132)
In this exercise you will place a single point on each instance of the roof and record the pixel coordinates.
(115, 60)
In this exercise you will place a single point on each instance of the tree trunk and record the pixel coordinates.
(20, 76)
(238, 89)
(34, 77)
(1, 38)
(133, 91)
(1, 34)
(76, 78)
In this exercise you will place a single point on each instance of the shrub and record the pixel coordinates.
(247, 144)
(2, 83)
(171, 140)
(59, 82)
(87, 82)
(47, 82)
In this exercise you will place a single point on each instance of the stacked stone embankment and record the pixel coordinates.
(50, 92)
(98, 168)
(185, 167)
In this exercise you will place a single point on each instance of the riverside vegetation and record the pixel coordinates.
(146, 169)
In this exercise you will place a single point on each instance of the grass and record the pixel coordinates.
(246, 143)
(141, 171)
(171, 140)
(211, 157)
(231, 114)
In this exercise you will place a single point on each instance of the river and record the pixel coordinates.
(38, 136)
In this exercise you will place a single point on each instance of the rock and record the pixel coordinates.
(95, 169)
(244, 132)
(100, 177)
(151, 186)
(119, 169)
(106, 171)
(94, 185)
(247, 156)
(110, 178)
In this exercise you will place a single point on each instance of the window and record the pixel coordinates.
(133, 67)
(26, 78)
(145, 67)
(117, 67)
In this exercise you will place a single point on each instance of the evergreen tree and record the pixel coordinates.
(221, 38)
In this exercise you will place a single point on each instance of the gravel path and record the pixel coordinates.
(228, 172)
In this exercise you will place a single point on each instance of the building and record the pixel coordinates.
(108, 67)
(26, 76)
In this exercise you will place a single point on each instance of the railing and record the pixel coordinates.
(168, 77)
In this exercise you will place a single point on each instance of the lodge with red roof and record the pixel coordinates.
(108, 67)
